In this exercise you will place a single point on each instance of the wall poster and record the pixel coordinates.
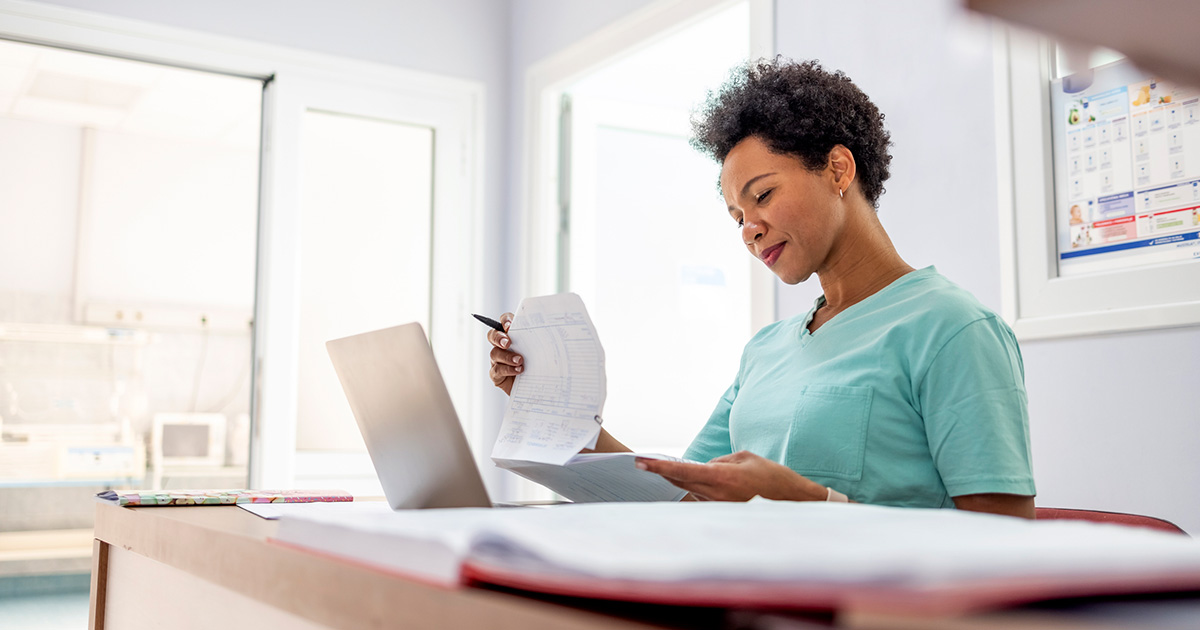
(1126, 170)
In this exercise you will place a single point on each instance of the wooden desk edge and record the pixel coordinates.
(218, 544)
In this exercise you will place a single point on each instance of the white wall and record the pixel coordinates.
(940, 204)
(1115, 419)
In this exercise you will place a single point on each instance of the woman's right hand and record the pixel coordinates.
(506, 364)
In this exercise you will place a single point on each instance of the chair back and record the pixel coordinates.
(1119, 518)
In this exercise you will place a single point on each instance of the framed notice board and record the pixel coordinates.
(1099, 182)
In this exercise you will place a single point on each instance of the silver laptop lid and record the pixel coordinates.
(407, 420)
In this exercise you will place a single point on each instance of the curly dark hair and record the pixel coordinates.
(798, 109)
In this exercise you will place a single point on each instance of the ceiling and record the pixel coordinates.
(56, 86)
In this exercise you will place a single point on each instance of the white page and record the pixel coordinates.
(262, 510)
(819, 541)
(555, 405)
(781, 541)
(430, 547)
(274, 511)
(592, 477)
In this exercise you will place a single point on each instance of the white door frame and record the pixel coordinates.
(453, 107)
(544, 85)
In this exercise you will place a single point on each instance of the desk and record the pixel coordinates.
(212, 567)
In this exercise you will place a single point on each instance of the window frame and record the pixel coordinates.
(545, 82)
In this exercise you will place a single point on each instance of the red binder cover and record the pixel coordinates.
(963, 598)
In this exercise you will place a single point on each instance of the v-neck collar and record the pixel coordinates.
(806, 336)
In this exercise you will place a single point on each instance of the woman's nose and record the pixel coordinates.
(751, 231)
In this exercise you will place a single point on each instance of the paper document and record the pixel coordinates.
(594, 477)
(555, 405)
(554, 410)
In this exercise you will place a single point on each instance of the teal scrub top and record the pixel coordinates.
(908, 398)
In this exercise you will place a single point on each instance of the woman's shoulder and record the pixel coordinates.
(931, 310)
(932, 297)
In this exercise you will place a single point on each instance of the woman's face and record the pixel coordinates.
(789, 216)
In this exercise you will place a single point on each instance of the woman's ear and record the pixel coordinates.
(842, 166)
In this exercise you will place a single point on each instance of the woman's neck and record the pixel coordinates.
(861, 263)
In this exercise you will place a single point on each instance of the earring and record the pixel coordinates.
(839, 193)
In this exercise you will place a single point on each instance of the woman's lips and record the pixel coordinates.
(771, 254)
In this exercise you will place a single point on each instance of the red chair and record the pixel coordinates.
(1119, 518)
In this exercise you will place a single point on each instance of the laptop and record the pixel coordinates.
(407, 420)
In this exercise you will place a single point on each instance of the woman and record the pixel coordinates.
(898, 387)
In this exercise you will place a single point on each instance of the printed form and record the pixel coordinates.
(554, 410)
(555, 405)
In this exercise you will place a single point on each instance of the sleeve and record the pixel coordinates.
(713, 439)
(975, 411)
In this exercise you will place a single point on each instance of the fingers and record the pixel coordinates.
(505, 363)
(679, 471)
(500, 343)
(498, 339)
(697, 492)
(733, 458)
(706, 482)
(500, 380)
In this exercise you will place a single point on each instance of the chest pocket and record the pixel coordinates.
(828, 435)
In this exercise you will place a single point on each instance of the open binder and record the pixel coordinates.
(761, 554)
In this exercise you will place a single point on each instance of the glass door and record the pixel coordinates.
(365, 264)
(368, 228)
(129, 206)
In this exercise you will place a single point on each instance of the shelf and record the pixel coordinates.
(69, 483)
(45, 545)
(65, 333)
(203, 471)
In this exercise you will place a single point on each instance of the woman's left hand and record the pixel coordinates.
(740, 476)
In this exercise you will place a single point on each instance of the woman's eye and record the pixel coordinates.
(740, 223)
(763, 196)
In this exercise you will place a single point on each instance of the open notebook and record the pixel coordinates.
(759, 554)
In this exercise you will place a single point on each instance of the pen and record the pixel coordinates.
(490, 322)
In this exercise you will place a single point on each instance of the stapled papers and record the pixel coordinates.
(554, 410)
(555, 405)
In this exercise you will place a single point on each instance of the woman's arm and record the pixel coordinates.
(742, 476)
(606, 443)
(996, 503)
